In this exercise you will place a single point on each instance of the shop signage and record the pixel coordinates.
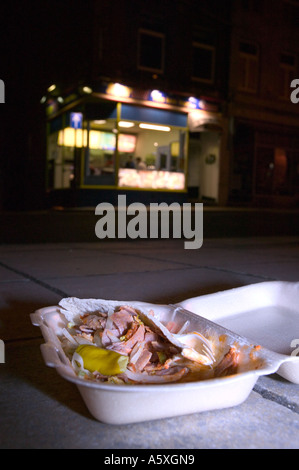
(137, 221)
(76, 120)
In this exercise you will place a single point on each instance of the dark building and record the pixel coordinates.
(264, 160)
(157, 90)
(198, 90)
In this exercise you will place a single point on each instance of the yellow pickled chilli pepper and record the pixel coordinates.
(101, 360)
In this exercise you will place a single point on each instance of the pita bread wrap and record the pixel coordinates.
(72, 308)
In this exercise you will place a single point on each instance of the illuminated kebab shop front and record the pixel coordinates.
(116, 140)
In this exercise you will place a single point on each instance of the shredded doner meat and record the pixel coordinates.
(120, 347)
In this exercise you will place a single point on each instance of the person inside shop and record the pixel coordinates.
(140, 165)
(130, 163)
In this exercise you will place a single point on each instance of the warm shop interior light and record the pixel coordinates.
(126, 124)
(51, 88)
(100, 121)
(116, 89)
(154, 127)
(66, 137)
(70, 137)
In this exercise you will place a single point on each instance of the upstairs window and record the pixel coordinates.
(248, 67)
(203, 62)
(151, 45)
(287, 72)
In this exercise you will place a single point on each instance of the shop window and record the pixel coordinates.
(148, 155)
(61, 161)
(99, 152)
(93, 143)
(158, 147)
(287, 72)
(151, 46)
(203, 62)
(136, 147)
(248, 67)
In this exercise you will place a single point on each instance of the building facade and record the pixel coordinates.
(157, 93)
(183, 100)
(264, 133)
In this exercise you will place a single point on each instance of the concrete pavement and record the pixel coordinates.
(38, 409)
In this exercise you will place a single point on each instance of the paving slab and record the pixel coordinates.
(168, 286)
(72, 262)
(255, 258)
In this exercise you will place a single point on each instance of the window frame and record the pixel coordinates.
(210, 47)
(156, 34)
(287, 69)
(249, 58)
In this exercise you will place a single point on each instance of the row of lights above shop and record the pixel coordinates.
(118, 90)
(157, 96)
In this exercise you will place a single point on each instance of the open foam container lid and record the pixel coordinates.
(266, 313)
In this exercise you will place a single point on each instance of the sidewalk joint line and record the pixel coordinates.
(194, 266)
(268, 395)
(34, 279)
